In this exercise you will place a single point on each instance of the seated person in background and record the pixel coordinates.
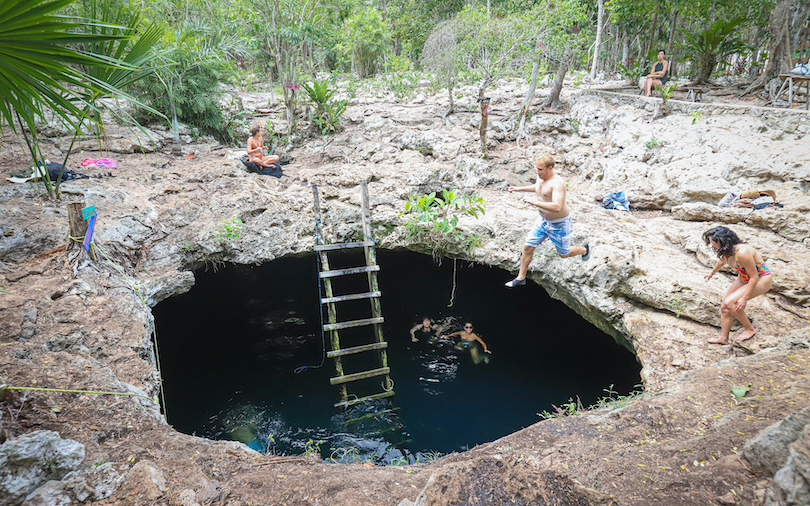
(426, 327)
(658, 76)
(255, 146)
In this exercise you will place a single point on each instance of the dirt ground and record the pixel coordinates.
(679, 446)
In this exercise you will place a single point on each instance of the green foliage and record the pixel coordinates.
(328, 112)
(188, 247)
(676, 305)
(633, 70)
(227, 231)
(186, 82)
(740, 391)
(364, 40)
(426, 457)
(652, 143)
(44, 69)
(666, 91)
(612, 400)
(99, 463)
(312, 448)
(399, 461)
(709, 45)
(434, 220)
(696, 116)
(349, 456)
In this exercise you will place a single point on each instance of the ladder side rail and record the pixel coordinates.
(371, 259)
(334, 337)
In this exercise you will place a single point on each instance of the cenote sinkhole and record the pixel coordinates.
(232, 350)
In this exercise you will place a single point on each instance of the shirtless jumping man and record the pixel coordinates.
(554, 221)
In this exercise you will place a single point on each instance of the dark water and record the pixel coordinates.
(230, 347)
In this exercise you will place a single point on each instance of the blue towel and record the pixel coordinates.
(616, 200)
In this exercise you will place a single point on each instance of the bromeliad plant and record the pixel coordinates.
(327, 111)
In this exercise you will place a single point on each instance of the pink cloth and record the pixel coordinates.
(100, 163)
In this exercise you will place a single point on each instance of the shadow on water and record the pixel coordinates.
(230, 349)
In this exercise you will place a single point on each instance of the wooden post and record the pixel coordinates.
(77, 227)
(334, 337)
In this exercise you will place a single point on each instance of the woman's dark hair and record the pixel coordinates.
(725, 237)
(661, 51)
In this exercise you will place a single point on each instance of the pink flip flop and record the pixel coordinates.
(88, 161)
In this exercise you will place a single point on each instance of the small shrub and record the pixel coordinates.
(227, 231)
(328, 112)
(652, 143)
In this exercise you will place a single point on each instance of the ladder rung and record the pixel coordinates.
(354, 296)
(352, 270)
(344, 245)
(356, 349)
(346, 404)
(353, 323)
(359, 375)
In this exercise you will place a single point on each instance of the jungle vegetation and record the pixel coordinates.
(174, 61)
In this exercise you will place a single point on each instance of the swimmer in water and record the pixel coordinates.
(427, 327)
(468, 339)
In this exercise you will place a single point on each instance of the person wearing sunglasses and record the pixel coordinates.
(468, 340)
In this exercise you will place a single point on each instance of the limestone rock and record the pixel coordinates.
(769, 450)
(144, 480)
(53, 493)
(210, 492)
(100, 483)
(791, 484)
(33, 459)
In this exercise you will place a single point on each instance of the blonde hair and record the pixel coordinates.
(545, 160)
(255, 129)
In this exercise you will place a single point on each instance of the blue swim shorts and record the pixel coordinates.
(559, 231)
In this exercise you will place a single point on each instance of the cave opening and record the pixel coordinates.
(240, 356)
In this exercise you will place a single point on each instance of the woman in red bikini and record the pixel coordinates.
(754, 279)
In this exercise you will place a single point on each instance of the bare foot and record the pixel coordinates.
(718, 340)
(746, 334)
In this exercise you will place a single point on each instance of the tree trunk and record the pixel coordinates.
(527, 102)
(625, 48)
(654, 29)
(450, 93)
(553, 99)
(671, 44)
(776, 49)
(484, 103)
(600, 21)
(289, 105)
(707, 63)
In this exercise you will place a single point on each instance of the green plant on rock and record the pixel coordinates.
(633, 70)
(433, 221)
(676, 305)
(696, 116)
(399, 461)
(652, 143)
(227, 231)
(312, 448)
(328, 111)
(666, 91)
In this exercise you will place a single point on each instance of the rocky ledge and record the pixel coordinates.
(80, 324)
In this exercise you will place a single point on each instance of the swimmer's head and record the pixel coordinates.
(255, 129)
(468, 327)
(426, 322)
(722, 239)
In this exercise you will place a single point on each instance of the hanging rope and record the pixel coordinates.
(141, 294)
(38, 389)
(302, 368)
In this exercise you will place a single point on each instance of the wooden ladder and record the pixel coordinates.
(330, 300)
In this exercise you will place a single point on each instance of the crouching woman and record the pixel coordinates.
(754, 279)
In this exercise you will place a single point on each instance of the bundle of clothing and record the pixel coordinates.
(55, 172)
(616, 200)
(274, 169)
(752, 199)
